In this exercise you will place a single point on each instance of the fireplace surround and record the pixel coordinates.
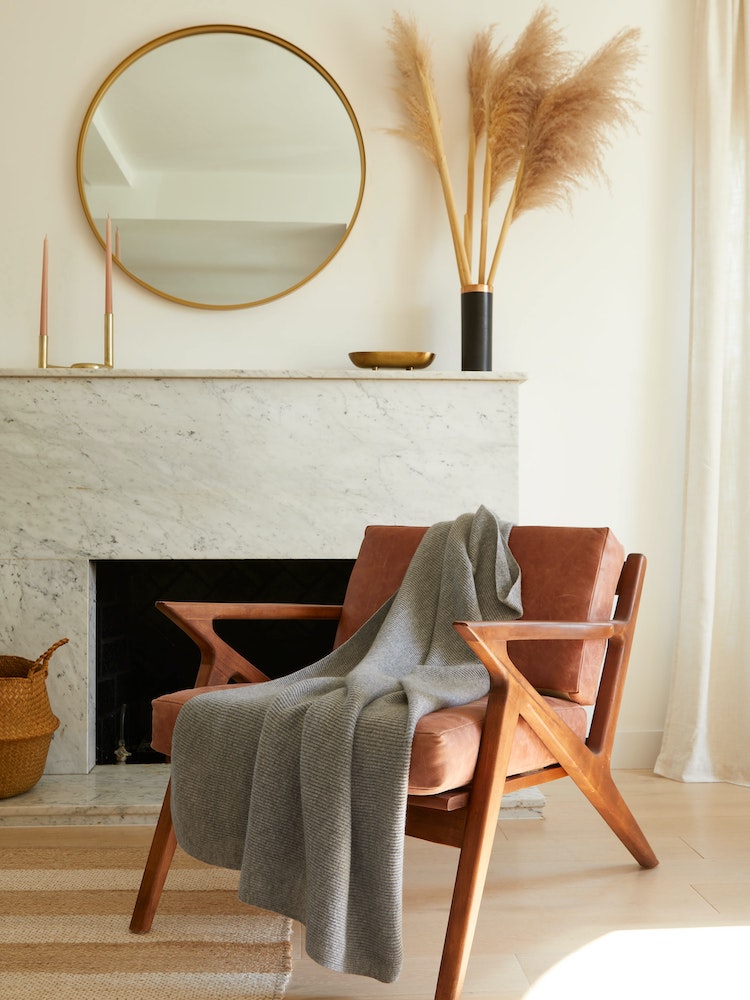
(181, 465)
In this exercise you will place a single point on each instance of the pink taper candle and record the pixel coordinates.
(43, 314)
(108, 270)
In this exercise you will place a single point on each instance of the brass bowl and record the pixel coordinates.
(391, 359)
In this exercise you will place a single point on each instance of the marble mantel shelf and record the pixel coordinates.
(112, 464)
(241, 373)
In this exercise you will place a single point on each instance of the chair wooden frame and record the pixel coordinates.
(465, 818)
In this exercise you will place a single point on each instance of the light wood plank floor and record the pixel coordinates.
(564, 900)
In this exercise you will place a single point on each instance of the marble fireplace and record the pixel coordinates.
(124, 465)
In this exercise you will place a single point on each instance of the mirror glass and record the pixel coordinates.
(230, 163)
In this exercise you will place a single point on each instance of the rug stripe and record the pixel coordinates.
(85, 857)
(55, 879)
(120, 986)
(98, 902)
(114, 930)
(142, 956)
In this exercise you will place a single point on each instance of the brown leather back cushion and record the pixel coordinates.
(383, 559)
(568, 574)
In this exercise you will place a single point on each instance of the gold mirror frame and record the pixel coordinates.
(210, 29)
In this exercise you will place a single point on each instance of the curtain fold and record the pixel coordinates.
(707, 732)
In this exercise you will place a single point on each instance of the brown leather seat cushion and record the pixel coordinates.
(445, 746)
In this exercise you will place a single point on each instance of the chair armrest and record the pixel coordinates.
(492, 632)
(508, 686)
(220, 663)
(185, 611)
(489, 642)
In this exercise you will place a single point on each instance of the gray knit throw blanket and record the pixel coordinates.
(301, 782)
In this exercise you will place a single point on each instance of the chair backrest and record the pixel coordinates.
(567, 574)
(383, 559)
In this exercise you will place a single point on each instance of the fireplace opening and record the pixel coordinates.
(141, 654)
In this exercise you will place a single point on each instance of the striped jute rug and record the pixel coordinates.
(64, 917)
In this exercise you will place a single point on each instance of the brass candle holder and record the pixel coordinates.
(109, 349)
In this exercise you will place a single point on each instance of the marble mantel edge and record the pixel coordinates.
(389, 374)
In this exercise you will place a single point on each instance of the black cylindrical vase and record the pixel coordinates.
(476, 328)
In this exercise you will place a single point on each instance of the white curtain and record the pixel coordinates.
(707, 733)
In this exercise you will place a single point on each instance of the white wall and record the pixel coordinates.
(593, 305)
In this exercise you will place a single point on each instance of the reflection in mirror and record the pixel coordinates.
(230, 162)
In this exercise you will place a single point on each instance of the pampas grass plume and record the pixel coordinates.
(416, 91)
(545, 118)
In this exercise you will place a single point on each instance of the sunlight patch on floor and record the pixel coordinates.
(684, 962)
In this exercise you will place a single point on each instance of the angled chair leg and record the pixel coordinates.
(479, 837)
(592, 774)
(155, 873)
(603, 794)
(467, 897)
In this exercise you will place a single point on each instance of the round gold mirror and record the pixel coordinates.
(230, 163)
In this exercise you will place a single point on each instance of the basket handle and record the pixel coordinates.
(42, 661)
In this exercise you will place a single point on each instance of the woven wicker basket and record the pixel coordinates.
(26, 721)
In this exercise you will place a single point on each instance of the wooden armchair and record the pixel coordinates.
(569, 650)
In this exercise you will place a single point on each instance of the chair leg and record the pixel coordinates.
(467, 897)
(478, 838)
(605, 797)
(155, 873)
